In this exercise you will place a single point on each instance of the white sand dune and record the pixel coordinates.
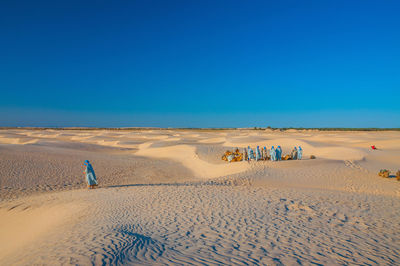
(337, 153)
(21, 226)
(213, 140)
(165, 197)
(22, 140)
(186, 155)
(172, 139)
(82, 137)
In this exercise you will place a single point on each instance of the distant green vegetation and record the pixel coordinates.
(327, 128)
(345, 129)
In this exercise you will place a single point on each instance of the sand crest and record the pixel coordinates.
(186, 155)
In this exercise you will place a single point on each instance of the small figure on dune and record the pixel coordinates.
(294, 153)
(251, 153)
(265, 157)
(279, 153)
(258, 154)
(90, 175)
(272, 153)
(299, 153)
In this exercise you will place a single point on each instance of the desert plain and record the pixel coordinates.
(166, 197)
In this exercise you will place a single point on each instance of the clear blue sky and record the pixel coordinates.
(200, 63)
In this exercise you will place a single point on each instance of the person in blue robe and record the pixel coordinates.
(299, 153)
(90, 175)
(258, 153)
(251, 153)
(265, 157)
(279, 153)
(272, 153)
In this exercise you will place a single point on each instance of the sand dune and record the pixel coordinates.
(186, 155)
(166, 197)
(10, 140)
(22, 224)
(212, 140)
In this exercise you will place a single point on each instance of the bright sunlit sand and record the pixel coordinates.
(166, 197)
(199, 132)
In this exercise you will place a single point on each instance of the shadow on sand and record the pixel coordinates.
(193, 183)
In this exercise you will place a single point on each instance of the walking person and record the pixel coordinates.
(90, 175)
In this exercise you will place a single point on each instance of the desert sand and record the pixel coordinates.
(166, 197)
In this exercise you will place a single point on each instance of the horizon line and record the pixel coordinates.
(207, 128)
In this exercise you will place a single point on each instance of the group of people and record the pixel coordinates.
(273, 154)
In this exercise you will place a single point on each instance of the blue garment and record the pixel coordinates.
(272, 153)
(251, 154)
(299, 153)
(258, 154)
(90, 175)
(279, 153)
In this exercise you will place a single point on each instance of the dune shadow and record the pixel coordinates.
(154, 185)
(211, 182)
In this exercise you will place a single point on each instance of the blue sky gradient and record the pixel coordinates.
(200, 63)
